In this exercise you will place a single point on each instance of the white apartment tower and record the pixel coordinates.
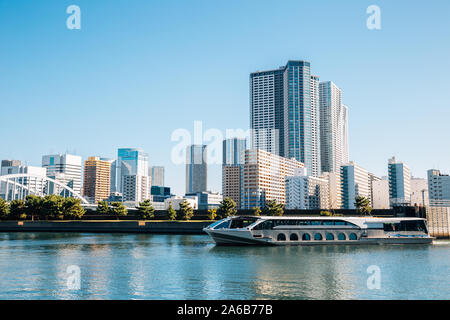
(333, 128)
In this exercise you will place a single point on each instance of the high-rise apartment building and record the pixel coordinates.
(157, 176)
(333, 128)
(284, 117)
(233, 151)
(355, 182)
(306, 192)
(399, 183)
(438, 188)
(196, 168)
(267, 111)
(97, 179)
(264, 177)
(65, 168)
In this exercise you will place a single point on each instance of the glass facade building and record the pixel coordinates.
(284, 113)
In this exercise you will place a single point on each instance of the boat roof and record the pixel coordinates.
(368, 219)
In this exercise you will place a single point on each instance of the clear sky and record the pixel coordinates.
(140, 69)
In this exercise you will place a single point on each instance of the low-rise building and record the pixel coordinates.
(206, 200)
(306, 192)
(176, 200)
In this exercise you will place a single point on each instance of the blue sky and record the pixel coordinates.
(139, 69)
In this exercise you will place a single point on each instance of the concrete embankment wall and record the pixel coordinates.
(175, 227)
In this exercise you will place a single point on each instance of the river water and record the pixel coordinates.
(141, 266)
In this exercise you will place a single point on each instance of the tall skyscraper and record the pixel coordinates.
(267, 115)
(333, 128)
(65, 168)
(232, 164)
(284, 116)
(264, 178)
(438, 188)
(315, 127)
(196, 168)
(130, 162)
(355, 183)
(97, 179)
(157, 176)
(399, 183)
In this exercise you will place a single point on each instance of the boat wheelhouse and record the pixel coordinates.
(268, 230)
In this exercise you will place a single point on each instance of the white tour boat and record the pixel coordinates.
(268, 230)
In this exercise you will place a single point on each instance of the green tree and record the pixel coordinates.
(18, 210)
(256, 211)
(227, 208)
(118, 209)
(186, 212)
(4, 209)
(171, 213)
(73, 209)
(362, 205)
(212, 214)
(33, 206)
(53, 207)
(146, 210)
(326, 213)
(103, 207)
(273, 208)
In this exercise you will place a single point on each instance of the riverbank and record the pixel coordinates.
(107, 226)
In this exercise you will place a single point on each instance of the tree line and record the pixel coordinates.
(51, 207)
(56, 207)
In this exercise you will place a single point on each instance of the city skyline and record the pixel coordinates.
(390, 113)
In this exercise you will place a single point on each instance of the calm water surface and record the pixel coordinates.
(129, 266)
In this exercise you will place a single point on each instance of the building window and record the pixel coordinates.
(318, 236)
(293, 237)
(353, 236)
(341, 236)
(306, 237)
(330, 236)
(281, 237)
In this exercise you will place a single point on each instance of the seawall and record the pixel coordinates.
(171, 227)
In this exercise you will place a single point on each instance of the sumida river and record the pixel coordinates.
(133, 266)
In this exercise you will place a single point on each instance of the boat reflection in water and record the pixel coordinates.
(268, 230)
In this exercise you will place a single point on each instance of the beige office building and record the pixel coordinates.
(97, 179)
(264, 177)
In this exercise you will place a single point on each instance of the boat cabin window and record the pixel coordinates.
(266, 225)
(222, 225)
(293, 237)
(341, 236)
(281, 237)
(414, 225)
(241, 223)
